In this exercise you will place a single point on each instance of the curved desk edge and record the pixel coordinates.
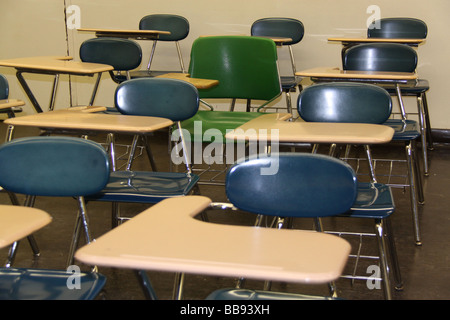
(167, 237)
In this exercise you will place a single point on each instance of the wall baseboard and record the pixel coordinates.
(440, 135)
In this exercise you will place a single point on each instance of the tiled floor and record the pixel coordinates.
(425, 269)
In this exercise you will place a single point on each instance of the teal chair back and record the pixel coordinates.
(245, 66)
(177, 25)
(157, 97)
(380, 57)
(53, 166)
(279, 27)
(292, 185)
(344, 102)
(122, 54)
(4, 87)
(400, 28)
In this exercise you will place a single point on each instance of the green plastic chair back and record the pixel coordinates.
(245, 66)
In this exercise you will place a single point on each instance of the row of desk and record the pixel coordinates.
(197, 253)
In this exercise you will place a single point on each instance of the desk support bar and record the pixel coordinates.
(28, 92)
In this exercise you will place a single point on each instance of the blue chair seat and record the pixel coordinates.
(37, 284)
(404, 129)
(246, 294)
(373, 200)
(145, 186)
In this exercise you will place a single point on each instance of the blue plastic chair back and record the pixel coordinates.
(4, 87)
(157, 97)
(292, 185)
(400, 28)
(177, 25)
(279, 27)
(344, 102)
(387, 57)
(122, 54)
(245, 66)
(53, 166)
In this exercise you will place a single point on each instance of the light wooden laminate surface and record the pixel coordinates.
(11, 103)
(88, 118)
(56, 65)
(355, 40)
(336, 73)
(126, 33)
(17, 222)
(167, 237)
(271, 126)
(198, 83)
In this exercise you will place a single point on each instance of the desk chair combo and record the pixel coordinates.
(360, 103)
(246, 68)
(178, 27)
(283, 28)
(407, 28)
(397, 58)
(173, 99)
(55, 167)
(320, 186)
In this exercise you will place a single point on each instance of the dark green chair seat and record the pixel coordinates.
(219, 121)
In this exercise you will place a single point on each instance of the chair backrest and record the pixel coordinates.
(245, 66)
(4, 87)
(401, 28)
(177, 25)
(301, 185)
(53, 166)
(380, 57)
(344, 102)
(158, 97)
(279, 27)
(122, 54)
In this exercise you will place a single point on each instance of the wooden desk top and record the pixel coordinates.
(336, 73)
(17, 222)
(198, 83)
(345, 40)
(11, 103)
(311, 132)
(56, 64)
(89, 119)
(167, 237)
(124, 33)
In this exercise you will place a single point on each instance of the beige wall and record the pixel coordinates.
(30, 28)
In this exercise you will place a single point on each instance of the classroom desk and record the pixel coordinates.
(274, 126)
(18, 222)
(126, 33)
(198, 83)
(87, 120)
(55, 66)
(327, 74)
(166, 237)
(8, 106)
(264, 126)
